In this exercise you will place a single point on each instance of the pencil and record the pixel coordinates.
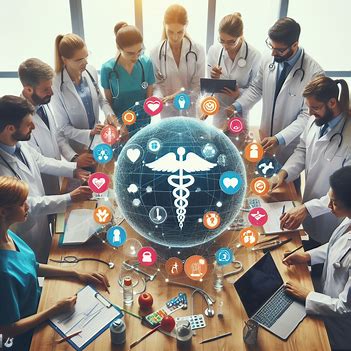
(291, 252)
(67, 337)
(215, 338)
(135, 343)
(131, 313)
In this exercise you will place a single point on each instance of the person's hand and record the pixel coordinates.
(85, 160)
(277, 180)
(111, 120)
(97, 129)
(299, 292)
(81, 174)
(269, 143)
(82, 193)
(98, 279)
(167, 98)
(232, 93)
(296, 258)
(123, 132)
(216, 72)
(293, 218)
(64, 306)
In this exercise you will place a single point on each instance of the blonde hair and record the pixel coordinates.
(232, 25)
(174, 14)
(65, 46)
(12, 191)
(127, 35)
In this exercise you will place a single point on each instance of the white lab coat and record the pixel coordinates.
(333, 304)
(50, 143)
(231, 70)
(69, 110)
(186, 76)
(320, 159)
(290, 113)
(36, 231)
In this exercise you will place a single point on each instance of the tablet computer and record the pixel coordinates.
(209, 85)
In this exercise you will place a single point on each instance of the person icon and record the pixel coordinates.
(181, 101)
(254, 151)
(116, 236)
(174, 269)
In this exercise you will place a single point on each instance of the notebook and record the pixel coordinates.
(92, 314)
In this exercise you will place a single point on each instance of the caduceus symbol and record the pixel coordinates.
(181, 183)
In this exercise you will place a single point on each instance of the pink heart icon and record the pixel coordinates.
(99, 182)
(153, 105)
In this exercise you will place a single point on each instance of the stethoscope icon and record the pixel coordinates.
(162, 76)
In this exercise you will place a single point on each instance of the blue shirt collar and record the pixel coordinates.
(335, 121)
(8, 148)
(293, 59)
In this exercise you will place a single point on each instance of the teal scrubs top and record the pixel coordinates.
(127, 89)
(19, 292)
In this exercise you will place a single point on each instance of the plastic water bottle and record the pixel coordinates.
(118, 332)
(128, 295)
(218, 277)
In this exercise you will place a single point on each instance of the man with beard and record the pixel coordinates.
(280, 83)
(19, 159)
(37, 77)
(324, 147)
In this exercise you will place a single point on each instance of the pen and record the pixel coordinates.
(283, 210)
(135, 343)
(67, 337)
(215, 338)
(209, 66)
(291, 252)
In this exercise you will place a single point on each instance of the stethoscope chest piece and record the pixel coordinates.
(241, 62)
(144, 85)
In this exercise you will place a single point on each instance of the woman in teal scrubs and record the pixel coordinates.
(129, 77)
(19, 271)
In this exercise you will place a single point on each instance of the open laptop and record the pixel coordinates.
(261, 291)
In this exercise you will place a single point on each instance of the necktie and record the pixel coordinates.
(42, 114)
(323, 130)
(20, 156)
(283, 74)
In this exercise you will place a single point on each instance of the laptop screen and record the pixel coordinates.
(258, 284)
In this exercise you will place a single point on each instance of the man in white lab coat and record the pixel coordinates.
(333, 301)
(280, 84)
(19, 159)
(324, 147)
(37, 77)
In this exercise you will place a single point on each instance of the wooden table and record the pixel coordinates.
(310, 335)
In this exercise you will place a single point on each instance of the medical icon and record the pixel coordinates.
(222, 160)
(174, 266)
(103, 153)
(224, 256)
(195, 267)
(260, 186)
(99, 182)
(102, 215)
(191, 163)
(129, 117)
(109, 135)
(153, 106)
(116, 236)
(258, 216)
(236, 125)
(211, 220)
(248, 237)
(209, 150)
(230, 182)
(154, 145)
(134, 153)
(133, 188)
(209, 105)
(147, 256)
(253, 152)
(158, 214)
(267, 167)
(181, 101)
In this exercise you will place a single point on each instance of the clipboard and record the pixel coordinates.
(216, 85)
(98, 316)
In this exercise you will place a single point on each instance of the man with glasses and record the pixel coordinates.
(280, 83)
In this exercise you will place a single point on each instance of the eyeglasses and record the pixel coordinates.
(231, 43)
(280, 50)
(133, 54)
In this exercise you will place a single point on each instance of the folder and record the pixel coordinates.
(92, 315)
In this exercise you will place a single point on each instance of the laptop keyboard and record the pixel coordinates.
(274, 308)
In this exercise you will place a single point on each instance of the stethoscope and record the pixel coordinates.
(339, 263)
(144, 84)
(11, 168)
(75, 259)
(301, 69)
(163, 52)
(241, 60)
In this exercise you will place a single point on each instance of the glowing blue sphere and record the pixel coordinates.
(168, 182)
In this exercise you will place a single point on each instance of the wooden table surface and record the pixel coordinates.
(310, 334)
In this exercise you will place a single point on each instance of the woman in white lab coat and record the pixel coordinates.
(178, 61)
(231, 58)
(77, 96)
(333, 303)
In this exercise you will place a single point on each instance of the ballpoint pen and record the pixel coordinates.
(215, 338)
(271, 245)
(291, 252)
